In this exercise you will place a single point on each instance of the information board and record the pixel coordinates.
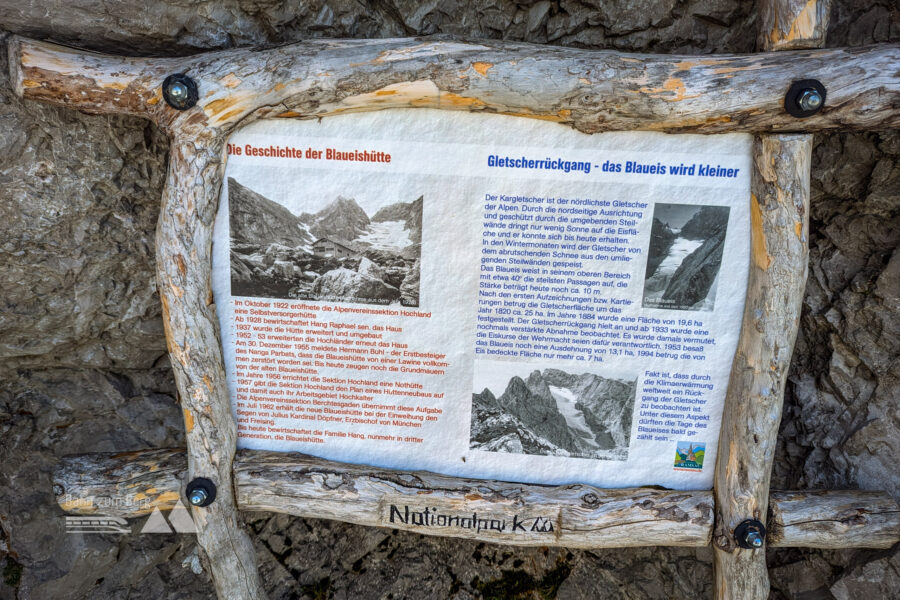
(483, 295)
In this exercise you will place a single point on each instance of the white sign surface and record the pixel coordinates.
(483, 295)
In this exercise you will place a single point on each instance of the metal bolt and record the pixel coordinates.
(198, 497)
(180, 91)
(753, 538)
(750, 534)
(809, 99)
(201, 492)
(805, 98)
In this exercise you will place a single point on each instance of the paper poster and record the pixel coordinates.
(483, 295)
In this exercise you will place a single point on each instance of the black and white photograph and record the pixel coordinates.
(685, 255)
(335, 251)
(551, 412)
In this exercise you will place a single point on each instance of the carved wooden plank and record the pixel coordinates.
(592, 91)
(752, 412)
(574, 516)
(130, 485)
(833, 519)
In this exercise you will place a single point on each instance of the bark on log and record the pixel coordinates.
(792, 24)
(132, 484)
(575, 516)
(779, 263)
(752, 412)
(125, 484)
(592, 91)
(833, 520)
(183, 265)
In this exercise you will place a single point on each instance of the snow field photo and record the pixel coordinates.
(685, 254)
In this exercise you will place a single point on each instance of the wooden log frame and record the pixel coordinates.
(588, 90)
(592, 91)
(778, 268)
(752, 413)
(791, 24)
(132, 484)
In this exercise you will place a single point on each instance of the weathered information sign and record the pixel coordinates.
(483, 295)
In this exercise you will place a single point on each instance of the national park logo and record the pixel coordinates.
(689, 456)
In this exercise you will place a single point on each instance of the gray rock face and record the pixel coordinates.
(79, 200)
(840, 425)
(370, 269)
(494, 429)
(409, 289)
(845, 376)
(180, 27)
(346, 284)
(343, 218)
(241, 269)
(254, 219)
(661, 238)
(708, 222)
(683, 264)
(607, 404)
(49, 413)
(533, 404)
(78, 291)
(556, 413)
(694, 277)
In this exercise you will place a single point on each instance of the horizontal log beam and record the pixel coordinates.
(833, 519)
(575, 516)
(592, 91)
(132, 484)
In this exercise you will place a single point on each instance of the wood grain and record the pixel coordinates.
(792, 24)
(779, 210)
(131, 485)
(576, 516)
(183, 265)
(833, 519)
(592, 91)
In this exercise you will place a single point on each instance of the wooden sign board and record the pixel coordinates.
(471, 180)
(483, 296)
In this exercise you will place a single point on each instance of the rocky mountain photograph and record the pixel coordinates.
(338, 254)
(555, 413)
(685, 254)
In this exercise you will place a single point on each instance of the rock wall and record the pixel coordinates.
(82, 354)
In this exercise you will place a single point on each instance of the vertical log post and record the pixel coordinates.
(752, 413)
(183, 265)
(778, 270)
